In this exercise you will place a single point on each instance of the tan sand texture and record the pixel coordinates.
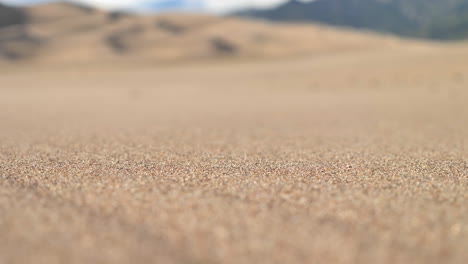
(338, 156)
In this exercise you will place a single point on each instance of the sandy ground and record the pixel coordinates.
(349, 158)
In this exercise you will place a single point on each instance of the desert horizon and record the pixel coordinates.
(66, 33)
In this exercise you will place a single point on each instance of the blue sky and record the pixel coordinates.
(215, 6)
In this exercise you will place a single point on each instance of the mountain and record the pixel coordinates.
(11, 16)
(64, 32)
(434, 19)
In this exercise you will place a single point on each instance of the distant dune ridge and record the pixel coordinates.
(64, 32)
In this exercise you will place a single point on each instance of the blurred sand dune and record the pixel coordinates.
(63, 32)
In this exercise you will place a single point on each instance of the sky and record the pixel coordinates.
(214, 6)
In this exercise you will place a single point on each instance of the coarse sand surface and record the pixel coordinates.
(356, 157)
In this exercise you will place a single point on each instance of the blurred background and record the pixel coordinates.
(101, 30)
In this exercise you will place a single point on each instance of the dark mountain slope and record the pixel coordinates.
(11, 16)
(446, 19)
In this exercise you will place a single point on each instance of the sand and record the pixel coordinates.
(351, 158)
(350, 148)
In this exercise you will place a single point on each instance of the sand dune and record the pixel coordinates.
(61, 32)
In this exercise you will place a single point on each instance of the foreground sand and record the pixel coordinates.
(348, 158)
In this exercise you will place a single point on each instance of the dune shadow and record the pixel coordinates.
(119, 40)
(223, 46)
(18, 43)
(170, 27)
(115, 16)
